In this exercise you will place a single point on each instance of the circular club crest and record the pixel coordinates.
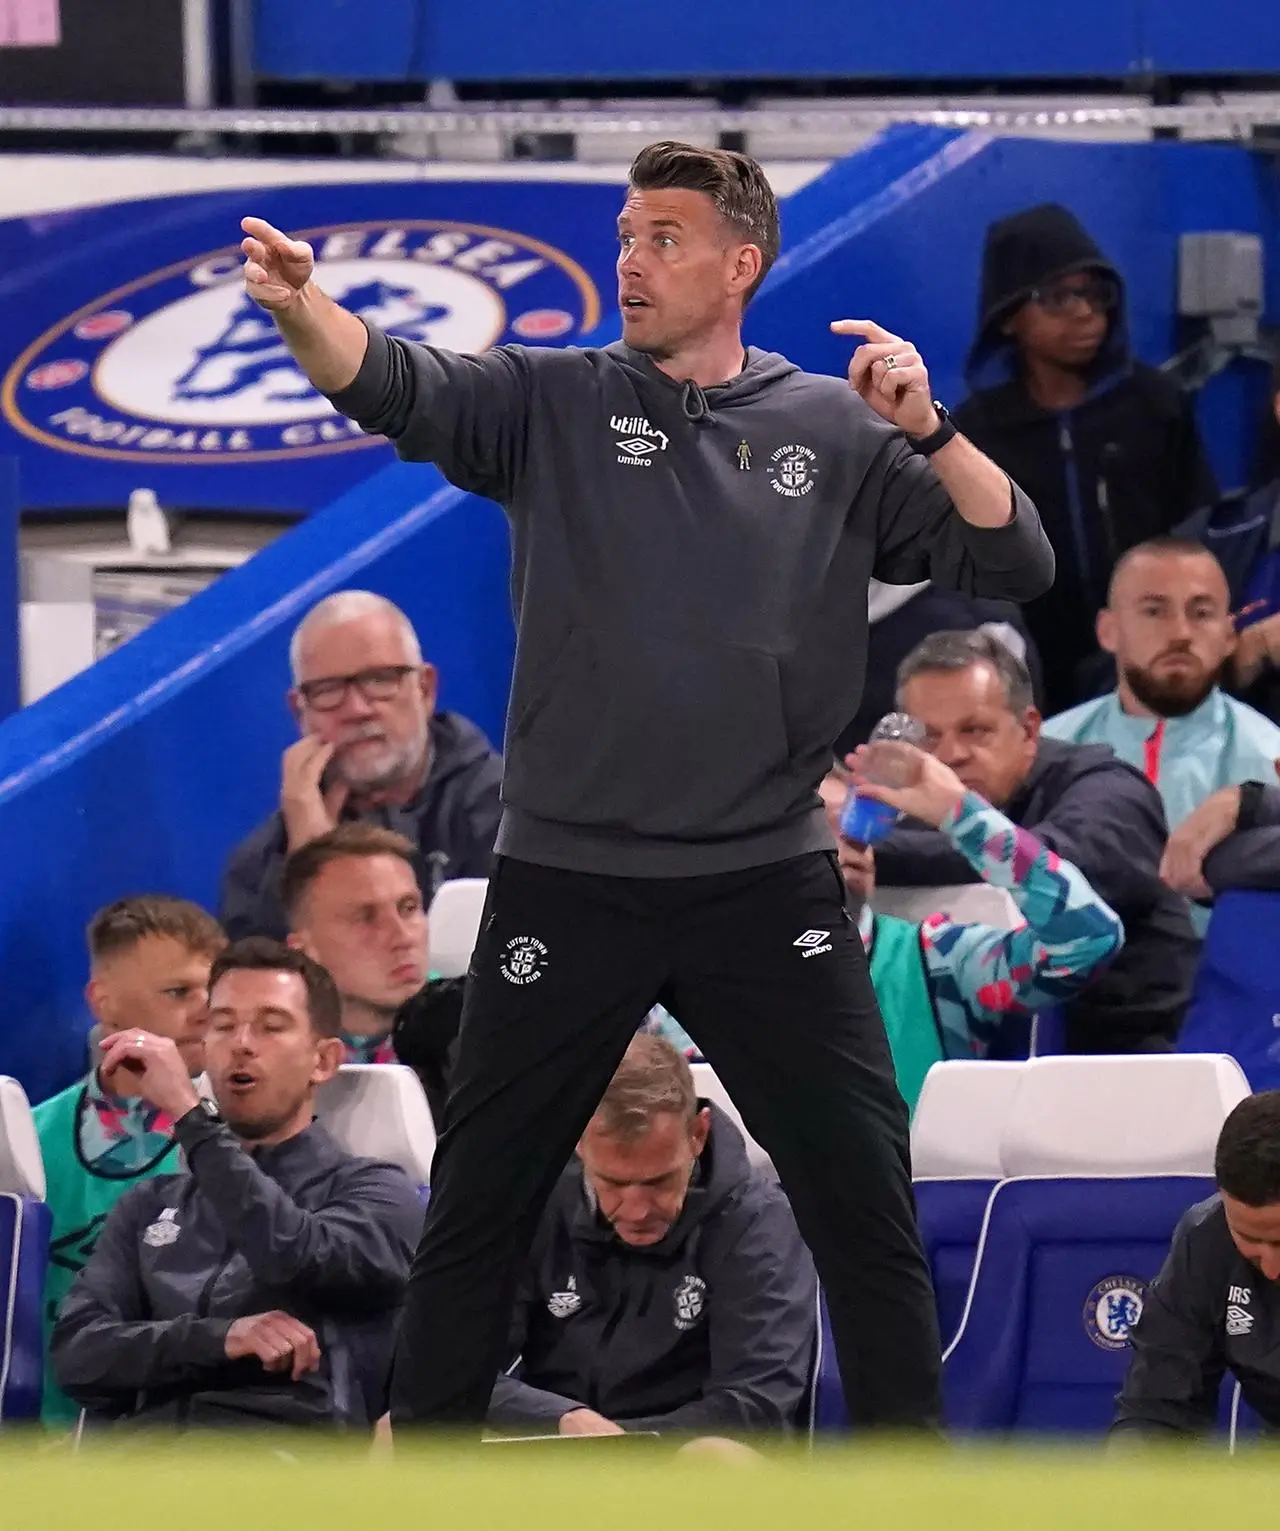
(792, 469)
(690, 1298)
(1111, 1310)
(182, 366)
(522, 961)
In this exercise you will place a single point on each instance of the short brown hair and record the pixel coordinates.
(737, 186)
(259, 954)
(652, 1077)
(1160, 547)
(120, 926)
(356, 839)
(1247, 1161)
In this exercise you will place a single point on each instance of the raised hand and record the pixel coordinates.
(138, 1062)
(929, 790)
(890, 375)
(310, 807)
(276, 267)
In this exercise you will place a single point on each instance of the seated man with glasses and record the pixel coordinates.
(373, 747)
(1106, 446)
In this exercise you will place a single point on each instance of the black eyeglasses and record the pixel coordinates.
(378, 684)
(1100, 293)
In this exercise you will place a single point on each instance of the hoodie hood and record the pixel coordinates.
(456, 746)
(762, 370)
(1023, 252)
(721, 1172)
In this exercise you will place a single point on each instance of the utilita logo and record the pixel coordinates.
(638, 440)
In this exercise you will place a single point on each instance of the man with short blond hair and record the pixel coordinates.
(668, 1288)
(149, 960)
(373, 748)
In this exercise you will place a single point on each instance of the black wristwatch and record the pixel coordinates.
(1250, 801)
(926, 446)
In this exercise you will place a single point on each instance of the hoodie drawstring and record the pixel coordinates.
(694, 402)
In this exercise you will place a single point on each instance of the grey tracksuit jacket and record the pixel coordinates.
(689, 577)
(301, 1226)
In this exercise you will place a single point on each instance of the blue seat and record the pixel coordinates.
(24, 1257)
(828, 1411)
(1060, 1272)
(1240, 1422)
(950, 1214)
(1235, 1004)
(1043, 1035)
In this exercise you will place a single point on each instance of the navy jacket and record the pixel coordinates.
(301, 1226)
(1208, 1312)
(1243, 533)
(453, 821)
(1106, 819)
(712, 1329)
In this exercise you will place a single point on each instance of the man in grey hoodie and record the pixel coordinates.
(694, 526)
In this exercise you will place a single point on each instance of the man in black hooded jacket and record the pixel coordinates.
(1106, 446)
(668, 1288)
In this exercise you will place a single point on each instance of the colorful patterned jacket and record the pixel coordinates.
(976, 975)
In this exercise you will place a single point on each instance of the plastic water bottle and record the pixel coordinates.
(863, 819)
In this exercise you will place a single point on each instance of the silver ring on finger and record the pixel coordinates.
(890, 362)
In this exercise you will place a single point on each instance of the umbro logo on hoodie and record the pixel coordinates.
(638, 440)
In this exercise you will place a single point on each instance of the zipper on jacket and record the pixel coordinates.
(606, 1334)
(1075, 506)
(202, 1311)
(1109, 453)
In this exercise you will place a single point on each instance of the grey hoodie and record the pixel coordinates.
(690, 571)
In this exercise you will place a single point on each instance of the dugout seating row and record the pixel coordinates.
(1048, 1193)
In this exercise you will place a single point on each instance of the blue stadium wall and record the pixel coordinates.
(490, 40)
(140, 774)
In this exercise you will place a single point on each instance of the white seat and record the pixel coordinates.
(960, 1119)
(21, 1165)
(709, 1088)
(454, 919)
(973, 903)
(1146, 1114)
(378, 1110)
